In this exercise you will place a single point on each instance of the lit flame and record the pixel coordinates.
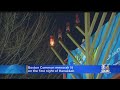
(52, 42)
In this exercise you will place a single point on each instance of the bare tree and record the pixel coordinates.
(24, 39)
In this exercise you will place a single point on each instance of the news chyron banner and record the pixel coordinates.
(114, 54)
(59, 69)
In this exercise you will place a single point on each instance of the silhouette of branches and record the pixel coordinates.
(24, 39)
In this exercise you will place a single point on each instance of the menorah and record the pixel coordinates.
(89, 49)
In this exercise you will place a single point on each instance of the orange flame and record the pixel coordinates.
(52, 42)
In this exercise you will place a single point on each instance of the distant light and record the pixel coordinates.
(52, 42)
